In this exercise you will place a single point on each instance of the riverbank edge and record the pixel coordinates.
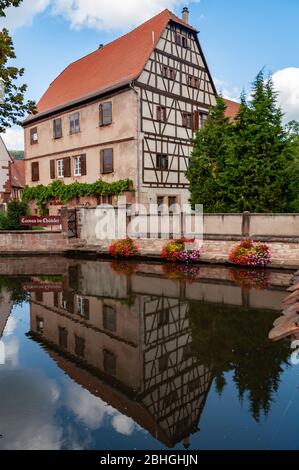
(96, 253)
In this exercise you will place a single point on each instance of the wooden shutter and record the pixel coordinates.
(34, 171)
(52, 169)
(83, 164)
(105, 113)
(86, 308)
(67, 167)
(195, 121)
(106, 161)
(70, 301)
(159, 113)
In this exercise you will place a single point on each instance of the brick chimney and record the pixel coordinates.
(185, 15)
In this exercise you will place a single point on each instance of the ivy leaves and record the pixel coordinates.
(65, 192)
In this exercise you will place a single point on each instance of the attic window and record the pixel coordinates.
(193, 81)
(105, 113)
(74, 123)
(181, 40)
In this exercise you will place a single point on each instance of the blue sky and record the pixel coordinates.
(238, 37)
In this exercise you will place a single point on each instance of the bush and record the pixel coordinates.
(176, 251)
(126, 248)
(10, 219)
(248, 253)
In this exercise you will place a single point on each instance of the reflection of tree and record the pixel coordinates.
(234, 339)
(14, 286)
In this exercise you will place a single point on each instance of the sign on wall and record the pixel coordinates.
(35, 220)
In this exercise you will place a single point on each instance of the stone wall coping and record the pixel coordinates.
(31, 232)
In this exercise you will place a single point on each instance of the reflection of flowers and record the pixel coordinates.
(124, 267)
(181, 271)
(177, 251)
(257, 279)
(251, 254)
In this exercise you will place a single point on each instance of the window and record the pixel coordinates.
(83, 307)
(170, 398)
(161, 114)
(163, 318)
(162, 161)
(204, 117)
(77, 166)
(109, 318)
(160, 202)
(181, 40)
(163, 362)
(193, 81)
(105, 199)
(33, 136)
(34, 171)
(199, 120)
(62, 335)
(39, 325)
(172, 200)
(60, 173)
(57, 128)
(109, 362)
(106, 113)
(168, 72)
(74, 123)
(79, 346)
(106, 161)
(187, 120)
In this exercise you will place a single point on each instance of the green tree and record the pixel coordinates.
(243, 165)
(258, 181)
(212, 147)
(13, 106)
(293, 170)
(10, 219)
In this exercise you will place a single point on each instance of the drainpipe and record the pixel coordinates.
(138, 141)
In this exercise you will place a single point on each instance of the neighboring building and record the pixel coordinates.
(127, 110)
(5, 178)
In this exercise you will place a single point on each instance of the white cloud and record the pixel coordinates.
(123, 424)
(227, 91)
(14, 138)
(24, 14)
(286, 83)
(101, 15)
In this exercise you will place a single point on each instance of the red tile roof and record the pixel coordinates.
(18, 174)
(115, 64)
(232, 109)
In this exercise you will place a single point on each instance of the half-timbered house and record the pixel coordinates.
(127, 110)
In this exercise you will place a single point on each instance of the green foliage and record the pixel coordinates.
(293, 170)
(243, 165)
(221, 341)
(10, 219)
(13, 105)
(212, 147)
(65, 192)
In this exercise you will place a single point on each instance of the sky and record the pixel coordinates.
(238, 37)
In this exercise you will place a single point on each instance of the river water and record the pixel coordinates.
(119, 355)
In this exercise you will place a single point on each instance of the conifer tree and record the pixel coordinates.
(212, 146)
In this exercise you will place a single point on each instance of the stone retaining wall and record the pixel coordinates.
(32, 241)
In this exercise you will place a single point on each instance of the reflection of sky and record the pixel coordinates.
(42, 408)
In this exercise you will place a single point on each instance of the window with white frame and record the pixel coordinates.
(77, 166)
(60, 168)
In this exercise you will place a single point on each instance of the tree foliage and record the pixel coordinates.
(10, 219)
(13, 105)
(243, 165)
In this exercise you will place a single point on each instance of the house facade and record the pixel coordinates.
(12, 176)
(127, 110)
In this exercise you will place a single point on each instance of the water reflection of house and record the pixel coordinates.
(135, 354)
(5, 308)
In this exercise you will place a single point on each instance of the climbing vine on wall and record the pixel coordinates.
(58, 190)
